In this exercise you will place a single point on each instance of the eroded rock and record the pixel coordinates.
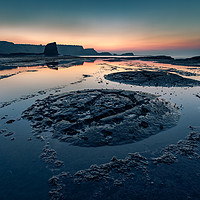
(152, 78)
(187, 147)
(136, 176)
(102, 117)
(51, 49)
(113, 169)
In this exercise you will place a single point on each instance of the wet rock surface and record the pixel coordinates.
(115, 171)
(113, 174)
(152, 78)
(187, 147)
(49, 156)
(137, 176)
(102, 117)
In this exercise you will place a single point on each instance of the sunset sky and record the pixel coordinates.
(111, 25)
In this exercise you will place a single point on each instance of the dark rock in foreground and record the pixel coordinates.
(102, 117)
(152, 78)
(174, 173)
(51, 49)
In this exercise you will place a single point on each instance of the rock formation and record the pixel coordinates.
(105, 54)
(102, 117)
(51, 49)
(152, 78)
(127, 54)
(73, 50)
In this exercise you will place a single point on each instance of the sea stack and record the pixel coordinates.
(51, 49)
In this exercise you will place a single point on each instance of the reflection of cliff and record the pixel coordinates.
(9, 47)
(64, 64)
(52, 65)
(90, 60)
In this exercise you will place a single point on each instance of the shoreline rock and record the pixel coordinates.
(102, 117)
(152, 78)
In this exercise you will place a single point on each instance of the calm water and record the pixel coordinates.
(23, 174)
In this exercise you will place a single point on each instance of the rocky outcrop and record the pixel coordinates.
(90, 51)
(102, 117)
(127, 54)
(51, 49)
(194, 59)
(152, 78)
(104, 54)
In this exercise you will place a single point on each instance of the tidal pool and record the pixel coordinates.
(29, 160)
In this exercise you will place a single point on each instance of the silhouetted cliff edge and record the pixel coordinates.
(11, 48)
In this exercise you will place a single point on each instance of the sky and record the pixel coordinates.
(106, 25)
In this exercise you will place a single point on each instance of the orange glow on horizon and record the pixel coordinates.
(101, 42)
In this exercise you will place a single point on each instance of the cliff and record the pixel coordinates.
(90, 51)
(74, 50)
(9, 47)
(70, 50)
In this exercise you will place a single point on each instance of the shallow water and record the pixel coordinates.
(23, 174)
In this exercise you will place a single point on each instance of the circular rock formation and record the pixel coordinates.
(102, 117)
(152, 78)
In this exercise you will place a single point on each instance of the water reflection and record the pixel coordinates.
(36, 82)
(52, 65)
